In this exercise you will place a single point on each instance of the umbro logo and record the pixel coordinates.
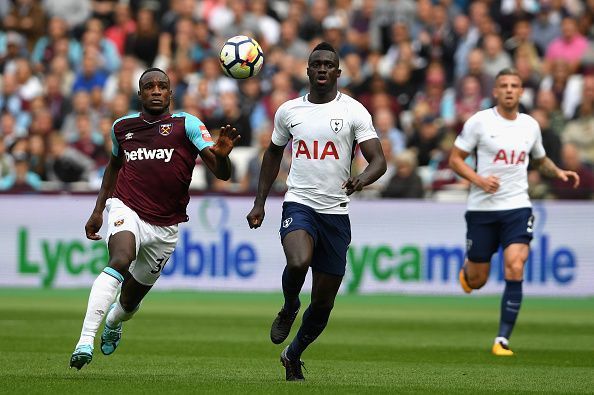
(128, 136)
(295, 124)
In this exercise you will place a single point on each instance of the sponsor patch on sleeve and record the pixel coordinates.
(205, 134)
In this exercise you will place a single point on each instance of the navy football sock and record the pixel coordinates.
(510, 307)
(292, 282)
(314, 322)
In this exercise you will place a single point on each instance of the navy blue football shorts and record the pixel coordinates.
(487, 230)
(331, 234)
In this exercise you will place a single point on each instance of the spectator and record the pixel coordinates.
(496, 58)
(570, 46)
(469, 101)
(144, 42)
(74, 12)
(406, 183)
(56, 102)
(249, 182)
(547, 101)
(81, 104)
(544, 28)
(550, 140)
(6, 160)
(22, 180)
(66, 164)
(124, 25)
(231, 115)
(89, 141)
(565, 85)
(46, 48)
(425, 141)
(15, 48)
(29, 86)
(28, 18)
(108, 57)
(385, 126)
(90, 76)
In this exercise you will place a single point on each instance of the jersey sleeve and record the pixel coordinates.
(537, 151)
(197, 132)
(280, 134)
(468, 139)
(363, 125)
(115, 146)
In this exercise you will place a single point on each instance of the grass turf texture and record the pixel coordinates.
(183, 342)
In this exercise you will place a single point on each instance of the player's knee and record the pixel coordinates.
(298, 263)
(476, 280)
(120, 263)
(128, 305)
(322, 305)
(514, 270)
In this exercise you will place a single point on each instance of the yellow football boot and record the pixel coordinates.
(463, 282)
(501, 350)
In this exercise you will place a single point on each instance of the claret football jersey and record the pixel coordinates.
(324, 138)
(159, 154)
(502, 149)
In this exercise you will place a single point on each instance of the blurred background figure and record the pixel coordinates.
(406, 182)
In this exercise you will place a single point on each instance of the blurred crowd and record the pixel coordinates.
(69, 68)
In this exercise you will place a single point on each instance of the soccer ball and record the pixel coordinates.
(241, 57)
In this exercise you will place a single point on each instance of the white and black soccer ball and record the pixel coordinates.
(241, 57)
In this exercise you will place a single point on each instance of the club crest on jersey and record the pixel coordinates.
(119, 222)
(165, 129)
(336, 125)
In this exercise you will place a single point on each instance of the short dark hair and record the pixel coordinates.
(324, 46)
(150, 70)
(507, 71)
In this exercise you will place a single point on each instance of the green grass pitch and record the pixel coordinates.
(184, 342)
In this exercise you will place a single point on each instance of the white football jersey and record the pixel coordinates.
(324, 138)
(502, 148)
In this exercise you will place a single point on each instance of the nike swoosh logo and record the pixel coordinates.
(295, 124)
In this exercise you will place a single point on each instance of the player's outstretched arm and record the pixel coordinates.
(107, 186)
(216, 157)
(268, 172)
(373, 154)
(548, 168)
(458, 164)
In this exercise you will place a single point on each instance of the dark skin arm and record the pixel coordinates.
(107, 186)
(268, 172)
(373, 154)
(216, 157)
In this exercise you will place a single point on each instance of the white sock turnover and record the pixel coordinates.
(103, 292)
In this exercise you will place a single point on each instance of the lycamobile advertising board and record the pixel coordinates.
(397, 247)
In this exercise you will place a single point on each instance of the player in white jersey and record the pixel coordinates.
(325, 126)
(499, 211)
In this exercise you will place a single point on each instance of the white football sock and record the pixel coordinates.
(502, 340)
(118, 314)
(103, 292)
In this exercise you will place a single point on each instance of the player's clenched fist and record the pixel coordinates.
(255, 217)
(490, 184)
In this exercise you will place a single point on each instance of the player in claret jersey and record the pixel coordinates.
(325, 126)
(499, 211)
(145, 190)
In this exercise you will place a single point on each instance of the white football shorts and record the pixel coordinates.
(154, 244)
